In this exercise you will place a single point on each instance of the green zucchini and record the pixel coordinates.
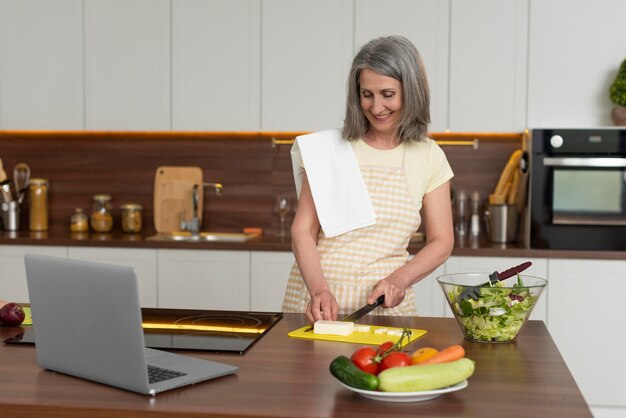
(425, 377)
(348, 373)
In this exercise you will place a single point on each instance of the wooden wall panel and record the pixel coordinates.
(252, 168)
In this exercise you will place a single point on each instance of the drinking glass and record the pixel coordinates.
(282, 208)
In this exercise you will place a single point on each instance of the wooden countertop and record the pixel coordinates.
(480, 247)
(285, 377)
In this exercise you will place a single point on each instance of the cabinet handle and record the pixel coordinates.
(472, 143)
(277, 142)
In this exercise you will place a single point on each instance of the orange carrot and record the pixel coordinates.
(454, 352)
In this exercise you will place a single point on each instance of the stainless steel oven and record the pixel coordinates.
(578, 189)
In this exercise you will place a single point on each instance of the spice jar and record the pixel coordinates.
(462, 214)
(38, 198)
(101, 217)
(79, 222)
(131, 218)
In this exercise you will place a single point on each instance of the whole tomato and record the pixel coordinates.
(395, 359)
(384, 347)
(365, 359)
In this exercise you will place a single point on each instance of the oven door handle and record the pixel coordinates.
(584, 162)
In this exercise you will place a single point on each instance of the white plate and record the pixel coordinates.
(425, 395)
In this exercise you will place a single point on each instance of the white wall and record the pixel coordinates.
(211, 65)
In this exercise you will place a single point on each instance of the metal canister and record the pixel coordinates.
(38, 199)
(11, 215)
(131, 218)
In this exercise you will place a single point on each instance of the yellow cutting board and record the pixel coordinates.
(173, 194)
(28, 317)
(368, 338)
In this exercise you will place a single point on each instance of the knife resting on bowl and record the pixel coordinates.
(474, 291)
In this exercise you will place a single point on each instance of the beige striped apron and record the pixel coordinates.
(355, 261)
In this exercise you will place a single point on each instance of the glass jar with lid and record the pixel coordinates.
(131, 218)
(79, 222)
(101, 216)
(38, 197)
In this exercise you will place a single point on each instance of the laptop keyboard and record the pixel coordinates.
(157, 374)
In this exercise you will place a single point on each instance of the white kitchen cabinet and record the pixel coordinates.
(565, 91)
(426, 23)
(144, 261)
(539, 268)
(41, 65)
(307, 50)
(488, 60)
(586, 319)
(429, 299)
(269, 273)
(127, 65)
(245, 65)
(199, 279)
(13, 287)
(216, 63)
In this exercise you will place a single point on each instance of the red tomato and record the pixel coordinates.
(395, 359)
(365, 359)
(385, 347)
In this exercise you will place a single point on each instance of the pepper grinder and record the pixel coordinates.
(461, 214)
(475, 219)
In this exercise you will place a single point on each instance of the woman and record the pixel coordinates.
(387, 114)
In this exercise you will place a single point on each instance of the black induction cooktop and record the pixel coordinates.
(189, 329)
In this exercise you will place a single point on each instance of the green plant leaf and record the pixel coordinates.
(617, 90)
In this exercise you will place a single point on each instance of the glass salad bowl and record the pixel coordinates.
(486, 312)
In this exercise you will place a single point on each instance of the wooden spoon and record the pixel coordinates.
(3, 175)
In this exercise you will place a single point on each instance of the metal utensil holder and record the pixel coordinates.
(11, 215)
(10, 207)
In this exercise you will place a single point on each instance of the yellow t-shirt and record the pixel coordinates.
(424, 162)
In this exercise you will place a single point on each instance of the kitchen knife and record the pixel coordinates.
(359, 313)
(496, 277)
(474, 291)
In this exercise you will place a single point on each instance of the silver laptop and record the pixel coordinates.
(87, 323)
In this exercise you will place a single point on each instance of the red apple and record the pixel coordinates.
(11, 315)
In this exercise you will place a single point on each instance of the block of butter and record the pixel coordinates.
(333, 327)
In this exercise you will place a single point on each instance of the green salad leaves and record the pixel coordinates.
(499, 312)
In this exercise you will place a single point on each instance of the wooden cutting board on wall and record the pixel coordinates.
(173, 194)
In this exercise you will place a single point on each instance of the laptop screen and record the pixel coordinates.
(190, 329)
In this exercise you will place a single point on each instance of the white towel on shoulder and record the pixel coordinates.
(341, 198)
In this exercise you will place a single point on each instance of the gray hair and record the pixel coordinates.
(395, 57)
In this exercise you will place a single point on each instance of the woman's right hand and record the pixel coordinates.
(322, 305)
